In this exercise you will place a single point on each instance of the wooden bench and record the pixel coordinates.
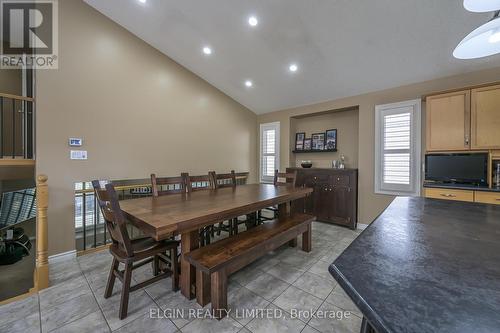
(220, 259)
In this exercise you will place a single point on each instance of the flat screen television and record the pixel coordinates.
(458, 168)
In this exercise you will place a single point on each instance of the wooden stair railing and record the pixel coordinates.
(42, 259)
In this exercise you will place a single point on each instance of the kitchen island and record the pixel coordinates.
(426, 265)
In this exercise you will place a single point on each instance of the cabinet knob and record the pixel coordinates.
(338, 178)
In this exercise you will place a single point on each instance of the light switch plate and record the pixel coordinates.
(78, 155)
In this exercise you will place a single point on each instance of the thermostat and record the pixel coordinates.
(78, 155)
(75, 142)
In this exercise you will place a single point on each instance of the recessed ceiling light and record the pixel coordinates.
(248, 83)
(252, 20)
(293, 67)
(207, 50)
(142, 1)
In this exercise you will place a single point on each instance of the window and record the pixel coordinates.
(397, 148)
(269, 151)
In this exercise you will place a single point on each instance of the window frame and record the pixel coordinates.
(413, 189)
(263, 127)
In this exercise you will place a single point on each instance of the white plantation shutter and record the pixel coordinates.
(397, 148)
(269, 150)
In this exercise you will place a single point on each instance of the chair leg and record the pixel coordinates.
(207, 236)
(111, 279)
(219, 229)
(127, 277)
(156, 265)
(235, 226)
(175, 269)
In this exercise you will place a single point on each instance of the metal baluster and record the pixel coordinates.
(25, 127)
(95, 221)
(84, 218)
(105, 227)
(13, 128)
(1, 126)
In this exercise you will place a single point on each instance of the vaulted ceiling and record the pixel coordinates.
(342, 47)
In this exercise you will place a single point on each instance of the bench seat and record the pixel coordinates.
(222, 258)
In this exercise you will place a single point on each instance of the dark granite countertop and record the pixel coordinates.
(426, 265)
(463, 187)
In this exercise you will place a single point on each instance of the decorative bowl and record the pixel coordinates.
(306, 164)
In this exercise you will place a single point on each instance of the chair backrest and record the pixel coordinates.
(223, 180)
(199, 183)
(241, 178)
(113, 215)
(281, 178)
(168, 185)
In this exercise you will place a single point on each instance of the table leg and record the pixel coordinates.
(189, 241)
(284, 210)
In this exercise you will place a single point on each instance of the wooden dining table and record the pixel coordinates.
(185, 214)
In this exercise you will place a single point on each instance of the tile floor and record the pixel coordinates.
(280, 283)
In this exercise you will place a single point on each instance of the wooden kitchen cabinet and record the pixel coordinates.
(335, 195)
(485, 118)
(448, 121)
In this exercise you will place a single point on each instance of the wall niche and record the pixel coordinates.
(346, 121)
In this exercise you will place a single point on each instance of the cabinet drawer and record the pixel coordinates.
(488, 197)
(340, 180)
(449, 194)
(319, 178)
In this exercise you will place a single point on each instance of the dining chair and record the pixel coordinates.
(280, 179)
(133, 253)
(224, 180)
(168, 185)
(201, 183)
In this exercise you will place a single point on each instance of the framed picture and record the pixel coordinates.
(318, 141)
(308, 144)
(299, 141)
(331, 139)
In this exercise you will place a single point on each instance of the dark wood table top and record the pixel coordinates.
(159, 217)
(426, 265)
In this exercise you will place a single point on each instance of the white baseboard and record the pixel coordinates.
(62, 257)
(362, 226)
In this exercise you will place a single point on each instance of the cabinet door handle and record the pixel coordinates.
(466, 140)
(447, 195)
(497, 199)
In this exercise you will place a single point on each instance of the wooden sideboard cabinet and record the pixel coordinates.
(335, 195)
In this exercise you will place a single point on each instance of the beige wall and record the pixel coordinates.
(11, 81)
(346, 122)
(371, 204)
(137, 111)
